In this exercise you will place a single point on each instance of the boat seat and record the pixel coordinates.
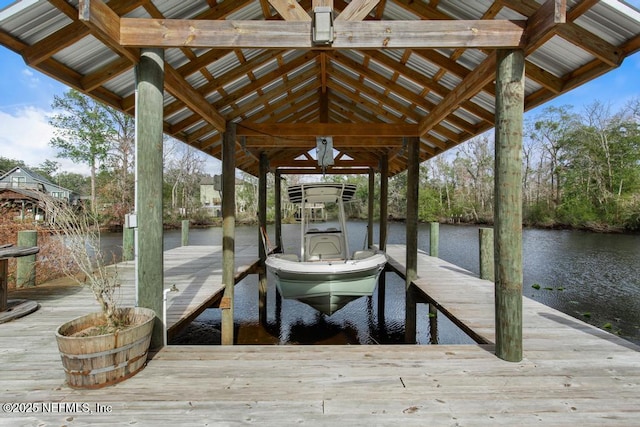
(288, 257)
(362, 254)
(323, 246)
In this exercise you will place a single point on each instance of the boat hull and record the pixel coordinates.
(327, 286)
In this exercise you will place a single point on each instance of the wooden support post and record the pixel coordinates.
(4, 284)
(485, 236)
(434, 238)
(278, 207)
(262, 223)
(508, 205)
(228, 231)
(323, 93)
(185, 232)
(433, 324)
(384, 200)
(26, 265)
(413, 179)
(128, 241)
(149, 101)
(384, 196)
(372, 187)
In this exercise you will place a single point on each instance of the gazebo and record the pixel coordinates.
(390, 82)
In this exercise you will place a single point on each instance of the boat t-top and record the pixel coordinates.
(325, 275)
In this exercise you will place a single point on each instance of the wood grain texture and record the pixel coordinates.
(572, 373)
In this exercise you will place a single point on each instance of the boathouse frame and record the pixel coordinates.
(378, 124)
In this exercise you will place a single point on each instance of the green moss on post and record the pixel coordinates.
(278, 208)
(487, 261)
(384, 196)
(26, 265)
(149, 102)
(228, 231)
(262, 252)
(508, 206)
(128, 241)
(370, 205)
(413, 180)
(185, 232)
(434, 238)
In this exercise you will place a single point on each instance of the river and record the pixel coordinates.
(592, 277)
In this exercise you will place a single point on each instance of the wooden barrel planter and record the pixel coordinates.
(98, 361)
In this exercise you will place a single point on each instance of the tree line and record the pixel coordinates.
(580, 169)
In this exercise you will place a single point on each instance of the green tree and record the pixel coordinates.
(48, 169)
(82, 132)
(75, 182)
(600, 164)
(119, 189)
(551, 128)
(7, 164)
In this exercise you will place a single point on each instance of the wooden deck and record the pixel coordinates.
(572, 373)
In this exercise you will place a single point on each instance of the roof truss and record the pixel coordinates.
(396, 67)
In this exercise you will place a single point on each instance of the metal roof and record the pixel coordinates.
(253, 85)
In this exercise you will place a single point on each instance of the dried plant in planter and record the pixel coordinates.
(80, 232)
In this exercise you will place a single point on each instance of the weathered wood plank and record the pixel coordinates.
(141, 32)
(572, 373)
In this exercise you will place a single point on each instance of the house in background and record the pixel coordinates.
(210, 195)
(22, 191)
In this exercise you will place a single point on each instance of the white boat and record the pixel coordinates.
(325, 275)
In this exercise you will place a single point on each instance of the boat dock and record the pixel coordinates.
(572, 373)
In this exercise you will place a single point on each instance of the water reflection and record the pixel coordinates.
(593, 277)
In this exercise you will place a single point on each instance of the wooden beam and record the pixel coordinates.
(419, 79)
(99, 77)
(179, 88)
(601, 49)
(541, 24)
(357, 10)
(470, 85)
(310, 141)
(333, 129)
(100, 19)
(295, 34)
(319, 3)
(573, 33)
(54, 43)
(279, 162)
(331, 171)
(290, 10)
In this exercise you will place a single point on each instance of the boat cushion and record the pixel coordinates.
(363, 254)
(288, 257)
(323, 247)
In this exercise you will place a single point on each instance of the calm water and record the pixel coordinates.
(592, 277)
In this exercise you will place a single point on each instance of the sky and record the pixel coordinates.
(26, 96)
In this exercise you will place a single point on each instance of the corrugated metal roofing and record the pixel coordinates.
(33, 22)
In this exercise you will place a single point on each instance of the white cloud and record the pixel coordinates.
(30, 79)
(25, 136)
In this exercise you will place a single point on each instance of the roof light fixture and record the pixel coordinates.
(322, 33)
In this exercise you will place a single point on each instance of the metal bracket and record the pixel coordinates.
(225, 303)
